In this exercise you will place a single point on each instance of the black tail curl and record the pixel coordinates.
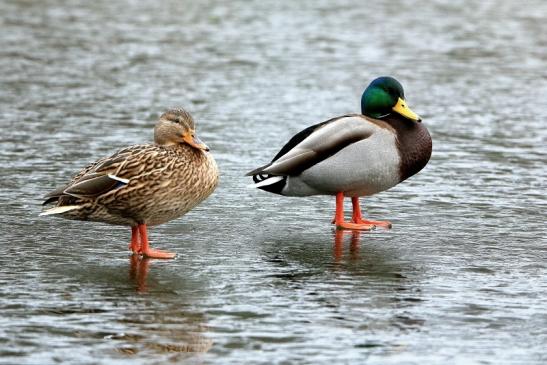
(260, 177)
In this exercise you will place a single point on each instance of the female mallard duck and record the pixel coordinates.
(353, 155)
(143, 185)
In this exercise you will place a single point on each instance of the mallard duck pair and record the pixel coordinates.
(349, 156)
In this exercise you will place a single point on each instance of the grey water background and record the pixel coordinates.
(460, 279)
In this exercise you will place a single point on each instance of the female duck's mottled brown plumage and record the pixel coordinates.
(145, 184)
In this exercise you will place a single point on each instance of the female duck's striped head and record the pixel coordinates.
(176, 126)
(384, 96)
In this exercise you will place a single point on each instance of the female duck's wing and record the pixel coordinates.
(105, 174)
(316, 144)
(54, 195)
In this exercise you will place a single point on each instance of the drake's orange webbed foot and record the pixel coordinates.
(358, 219)
(339, 217)
(355, 226)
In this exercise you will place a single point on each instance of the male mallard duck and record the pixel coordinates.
(353, 155)
(143, 185)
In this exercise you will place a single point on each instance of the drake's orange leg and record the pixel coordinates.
(135, 246)
(150, 252)
(357, 218)
(339, 217)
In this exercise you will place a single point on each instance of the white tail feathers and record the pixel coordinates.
(59, 210)
(268, 181)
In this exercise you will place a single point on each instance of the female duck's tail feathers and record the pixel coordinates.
(59, 210)
(54, 195)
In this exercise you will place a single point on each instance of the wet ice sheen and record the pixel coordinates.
(461, 278)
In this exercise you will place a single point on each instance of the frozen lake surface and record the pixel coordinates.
(460, 279)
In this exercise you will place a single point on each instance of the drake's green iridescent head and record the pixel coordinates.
(384, 96)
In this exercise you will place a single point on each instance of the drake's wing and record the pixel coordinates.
(324, 141)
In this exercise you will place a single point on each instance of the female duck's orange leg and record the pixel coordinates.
(357, 218)
(135, 246)
(339, 217)
(146, 251)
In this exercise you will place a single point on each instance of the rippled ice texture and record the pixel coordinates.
(460, 279)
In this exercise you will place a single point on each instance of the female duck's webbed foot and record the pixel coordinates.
(339, 217)
(158, 254)
(147, 251)
(358, 219)
(383, 224)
